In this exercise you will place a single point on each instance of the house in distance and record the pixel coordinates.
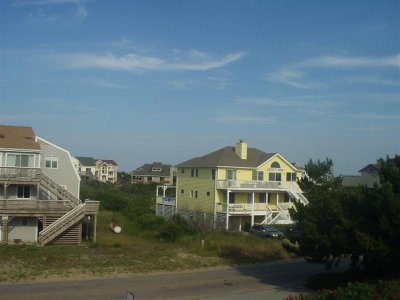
(156, 172)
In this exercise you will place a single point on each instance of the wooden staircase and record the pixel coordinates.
(67, 228)
(54, 187)
(68, 220)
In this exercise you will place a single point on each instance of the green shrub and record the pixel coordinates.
(387, 290)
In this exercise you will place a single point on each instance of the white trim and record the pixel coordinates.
(277, 154)
(20, 150)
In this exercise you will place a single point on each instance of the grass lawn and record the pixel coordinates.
(133, 251)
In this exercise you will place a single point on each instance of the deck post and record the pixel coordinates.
(227, 208)
(252, 208)
(94, 228)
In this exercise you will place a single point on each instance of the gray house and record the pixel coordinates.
(154, 173)
(39, 191)
(369, 177)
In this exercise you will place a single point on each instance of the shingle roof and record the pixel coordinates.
(108, 161)
(86, 161)
(18, 137)
(147, 170)
(227, 157)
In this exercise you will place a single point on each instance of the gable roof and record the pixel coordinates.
(147, 170)
(227, 157)
(107, 161)
(18, 137)
(370, 167)
(86, 161)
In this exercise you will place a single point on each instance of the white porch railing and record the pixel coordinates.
(248, 207)
(257, 184)
(244, 184)
(166, 200)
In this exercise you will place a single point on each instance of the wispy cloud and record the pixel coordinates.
(106, 84)
(78, 15)
(285, 102)
(135, 62)
(296, 74)
(245, 119)
(374, 116)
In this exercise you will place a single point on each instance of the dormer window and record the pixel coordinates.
(156, 169)
(275, 165)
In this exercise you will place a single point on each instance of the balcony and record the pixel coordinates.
(256, 185)
(13, 174)
(248, 208)
(166, 200)
(30, 207)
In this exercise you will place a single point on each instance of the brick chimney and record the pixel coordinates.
(241, 149)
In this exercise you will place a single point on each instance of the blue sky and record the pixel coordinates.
(143, 81)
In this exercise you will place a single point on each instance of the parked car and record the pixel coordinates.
(295, 233)
(266, 231)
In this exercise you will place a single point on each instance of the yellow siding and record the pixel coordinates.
(202, 184)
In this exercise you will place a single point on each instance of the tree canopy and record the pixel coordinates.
(360, 223)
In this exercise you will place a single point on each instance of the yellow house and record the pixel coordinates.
(234, 187)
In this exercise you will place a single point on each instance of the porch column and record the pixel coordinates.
(252, 208)
(4, 229)
(227, 215)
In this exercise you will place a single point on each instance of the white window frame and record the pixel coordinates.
(52, 159)
(20, 155)
(23, 192)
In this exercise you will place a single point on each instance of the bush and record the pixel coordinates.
(150, 222)
(389, 290)
(175, 228)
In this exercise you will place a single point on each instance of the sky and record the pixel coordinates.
(145, 81)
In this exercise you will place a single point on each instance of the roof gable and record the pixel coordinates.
(86, 161)
(226, 157)
(154, 169)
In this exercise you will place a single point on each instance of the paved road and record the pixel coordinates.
(274, 280)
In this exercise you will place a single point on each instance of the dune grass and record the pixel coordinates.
(133, 251)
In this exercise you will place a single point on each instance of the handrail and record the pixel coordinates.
(20, 174)
(35, 205)
(62, 224)
(59, 190)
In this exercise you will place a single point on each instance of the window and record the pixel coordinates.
(231, 174)
(286, 198)
(20, 160)
(194, 173)
(249, 198)
(23, 192)
(182, 171)
(258, 175)
(182, 191)
(208, 194)
(290, 176)
(262, 198)
(196, 193)
(275, 165)
(213, 171)
(24, 221)
(191, 194)
(52, 162)
(275, 177)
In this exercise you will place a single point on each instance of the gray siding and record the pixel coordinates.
(12, 192)
(25, 233)
(65, 173)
